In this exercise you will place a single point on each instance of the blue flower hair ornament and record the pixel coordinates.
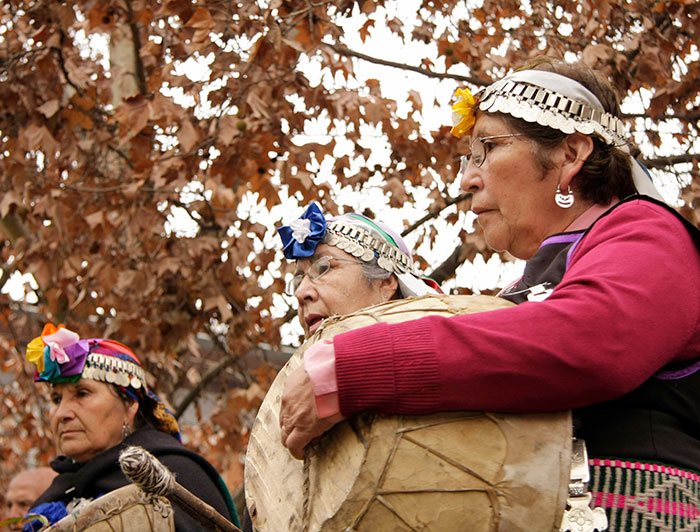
(301, 237)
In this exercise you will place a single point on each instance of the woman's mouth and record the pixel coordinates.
(480, 210)
(313, 323)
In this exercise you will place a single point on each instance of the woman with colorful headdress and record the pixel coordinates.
(608, 316)
(101, 405)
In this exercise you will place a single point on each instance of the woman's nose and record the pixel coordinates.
(469, 178)
(306, 290)
(63, 410)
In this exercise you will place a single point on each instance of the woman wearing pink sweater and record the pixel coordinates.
(608, 316)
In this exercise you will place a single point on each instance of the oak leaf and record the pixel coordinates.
(49, 108)
(9, 199)
(201, 19)
(187, 135)
(365, 29)
(396, 191)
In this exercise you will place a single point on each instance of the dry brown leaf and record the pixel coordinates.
(187, 135)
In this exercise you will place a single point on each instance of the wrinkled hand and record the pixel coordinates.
(299, 421)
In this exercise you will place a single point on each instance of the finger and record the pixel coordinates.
(296, 442)
(285, 422)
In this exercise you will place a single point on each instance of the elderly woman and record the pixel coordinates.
(609, 304)
(344, 264)
(101, 405)
(347, 263)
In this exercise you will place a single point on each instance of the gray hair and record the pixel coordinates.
(371, 269)
(374, 272)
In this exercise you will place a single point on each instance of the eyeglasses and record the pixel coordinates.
(479, 150)
(320, 267)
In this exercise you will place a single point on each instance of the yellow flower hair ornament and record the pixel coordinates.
(463, 113)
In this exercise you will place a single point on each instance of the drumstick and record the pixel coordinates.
(149, 474)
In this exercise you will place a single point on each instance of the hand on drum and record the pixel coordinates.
(299, 421)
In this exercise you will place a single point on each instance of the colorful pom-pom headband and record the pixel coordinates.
(60, 355)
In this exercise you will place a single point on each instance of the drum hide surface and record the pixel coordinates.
(126, 509)
(453, 471)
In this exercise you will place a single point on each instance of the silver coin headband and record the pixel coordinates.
(555, 101)
(522, 96)
(360, 243)
(113, 370)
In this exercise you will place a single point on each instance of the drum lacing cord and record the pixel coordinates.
(307, 489)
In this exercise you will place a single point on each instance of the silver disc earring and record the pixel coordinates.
(564, 200)
(126, 431)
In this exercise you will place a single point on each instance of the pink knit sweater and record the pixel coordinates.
(628, 304)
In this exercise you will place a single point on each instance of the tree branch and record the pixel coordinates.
(691, 117)
(138, 64)
(433, 213)
(449, 266)
(58, 52)
(664, 162)
(194, 392)
(351, 53)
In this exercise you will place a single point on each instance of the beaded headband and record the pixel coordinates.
(360, 243)
(530, 95)
(551, 109)
(113, 370)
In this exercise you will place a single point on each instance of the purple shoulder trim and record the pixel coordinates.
(565, 238)
(562, 238)
(679, 373)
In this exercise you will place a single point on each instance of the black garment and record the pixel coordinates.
(545, 269)
(660, 420)
(247, 522)
(102, 474)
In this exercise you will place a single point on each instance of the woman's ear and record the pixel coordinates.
(576, 149)
(132, 409)
(388, 287)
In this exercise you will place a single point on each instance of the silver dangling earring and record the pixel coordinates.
(125, 430)
(564, 200)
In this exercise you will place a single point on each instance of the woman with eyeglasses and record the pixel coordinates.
(344, 264)
(608, 317)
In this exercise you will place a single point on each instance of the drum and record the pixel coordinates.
(126, 509)
(454, 471)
